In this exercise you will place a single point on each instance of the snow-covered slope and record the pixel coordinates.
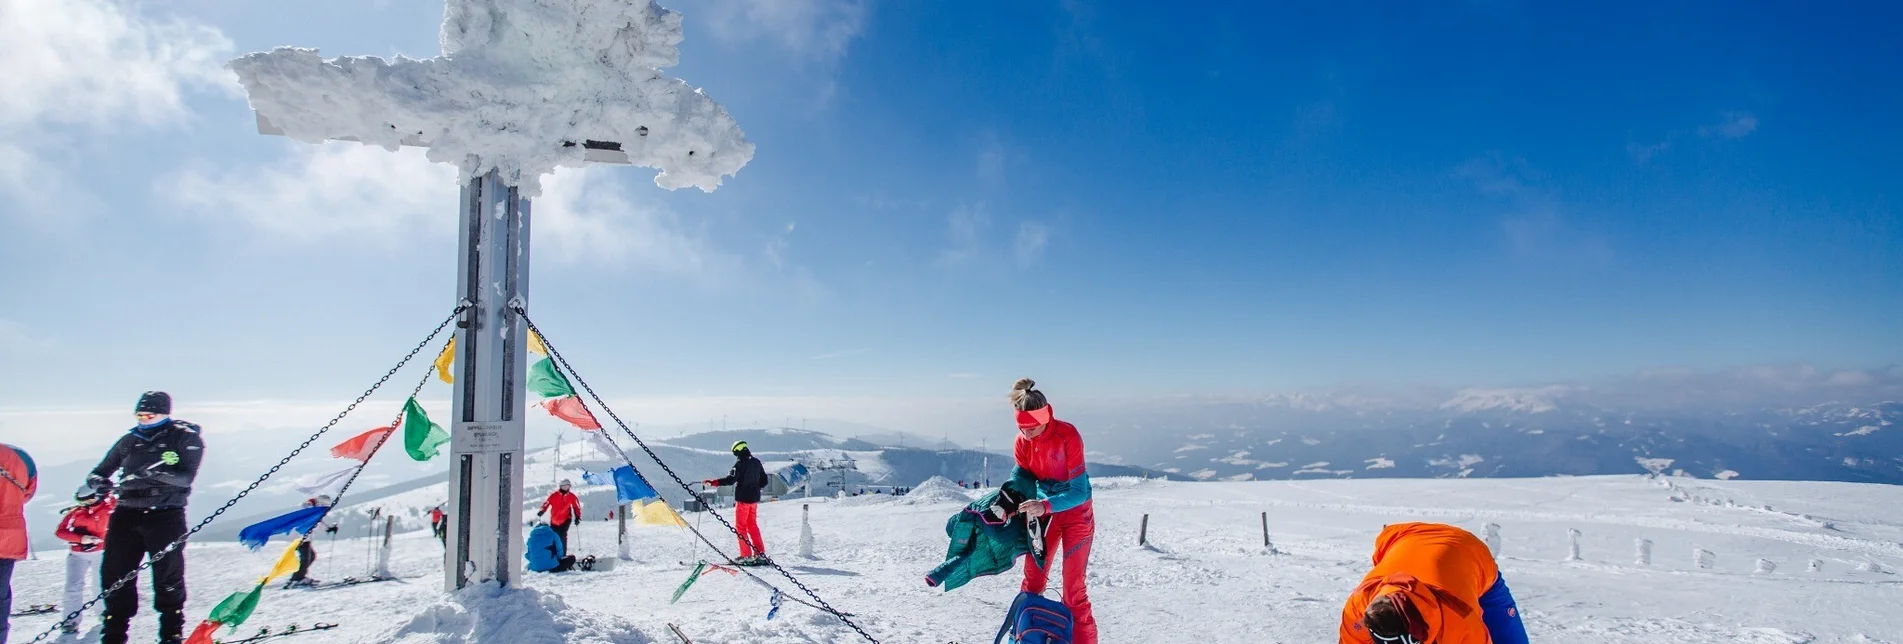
(1206, 577)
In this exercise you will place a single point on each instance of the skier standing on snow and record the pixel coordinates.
(439, 525)
(84, 526)
(156, 462)
(307, 553)
(747, 478)
(19, 479)
(1050, 459)
(567, 511)
(1431, 584)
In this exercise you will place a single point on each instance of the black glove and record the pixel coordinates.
(331, 529)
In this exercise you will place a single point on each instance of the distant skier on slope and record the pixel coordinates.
(747, 478)
(84, 527)
(566, 510)
(439, 524)
(1050, 459)
(307, 553)
(1431, 584)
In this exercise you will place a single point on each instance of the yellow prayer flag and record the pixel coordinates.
(535, 344)
(287, 563)
(445, 359)
(657, 513)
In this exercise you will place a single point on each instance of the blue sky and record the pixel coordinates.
(1115, 198)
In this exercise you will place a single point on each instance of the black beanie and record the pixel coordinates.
(154, 402)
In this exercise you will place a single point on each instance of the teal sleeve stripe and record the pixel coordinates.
(1073, 493)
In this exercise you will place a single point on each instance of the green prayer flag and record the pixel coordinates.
(421, 437)
(547, 381)
(234, 610)
(691, 578)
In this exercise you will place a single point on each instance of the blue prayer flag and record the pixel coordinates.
(301, 521)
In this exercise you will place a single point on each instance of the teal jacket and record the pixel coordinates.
(979, 548)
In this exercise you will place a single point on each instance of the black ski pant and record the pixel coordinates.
(132, 535)
(306, 553)
(561, 530)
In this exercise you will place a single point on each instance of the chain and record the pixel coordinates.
(180, 542)
(519, 310)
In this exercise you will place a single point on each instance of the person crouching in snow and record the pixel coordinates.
(84, 526)
(1431, 584)
(546, 553)
(1050, 459)
(747, 478)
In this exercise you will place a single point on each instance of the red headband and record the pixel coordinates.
(1029, 419)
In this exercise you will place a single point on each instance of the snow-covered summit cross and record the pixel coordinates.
(522, 87)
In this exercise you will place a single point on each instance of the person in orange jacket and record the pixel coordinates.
(1431, 584)
(19, 479)
(84, 527)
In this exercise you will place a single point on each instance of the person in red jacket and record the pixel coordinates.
(1050, 459)
(563, 510)
(84, 526)
(19, 479)
(439, 524)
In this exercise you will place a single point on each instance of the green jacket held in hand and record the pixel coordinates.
(979, 548)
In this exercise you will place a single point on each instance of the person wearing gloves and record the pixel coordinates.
(748, 478)
(155, 464)
(1050, 459)
(84, 526)
(19, 480)
(565, 510)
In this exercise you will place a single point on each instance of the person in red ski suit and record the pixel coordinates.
(84, 527)
(564, 509)
(1050, 456)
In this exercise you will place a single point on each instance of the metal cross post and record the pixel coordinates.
(486, 443)
(486, 105)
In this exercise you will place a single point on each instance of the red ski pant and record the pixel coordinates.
(747, 518)
(1068, 540)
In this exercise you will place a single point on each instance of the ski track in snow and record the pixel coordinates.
(1204, 578)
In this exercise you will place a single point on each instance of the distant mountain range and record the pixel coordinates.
(1498, 433)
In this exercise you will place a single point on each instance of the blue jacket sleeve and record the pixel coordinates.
(1064, 495)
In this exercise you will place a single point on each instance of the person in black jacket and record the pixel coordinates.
(155, 463)
(747, 478)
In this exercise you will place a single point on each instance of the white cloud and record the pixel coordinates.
(98, 62)
(1032, 236)
(1732, 125)
(370, 195)
(1643, 153)
(968, 224)
(327, 191)
(818, 30)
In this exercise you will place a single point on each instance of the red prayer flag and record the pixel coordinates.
(359, 447)
(202, 634)
(569, 408)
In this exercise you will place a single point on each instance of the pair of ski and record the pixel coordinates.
(347, 581)
(36, 609)
(266, 633)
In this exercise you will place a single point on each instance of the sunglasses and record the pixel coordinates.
(145, 415)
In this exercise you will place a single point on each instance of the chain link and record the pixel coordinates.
(677, 479)
(180, 542)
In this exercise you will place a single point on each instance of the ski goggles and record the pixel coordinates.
(1030, 419)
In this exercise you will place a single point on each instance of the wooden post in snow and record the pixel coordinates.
(1143, 531)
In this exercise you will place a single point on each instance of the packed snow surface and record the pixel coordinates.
(1205, 579)
(517, 79)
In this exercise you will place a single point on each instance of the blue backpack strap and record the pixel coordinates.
(1010, 616)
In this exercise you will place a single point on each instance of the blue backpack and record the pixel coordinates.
(1035, 619)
